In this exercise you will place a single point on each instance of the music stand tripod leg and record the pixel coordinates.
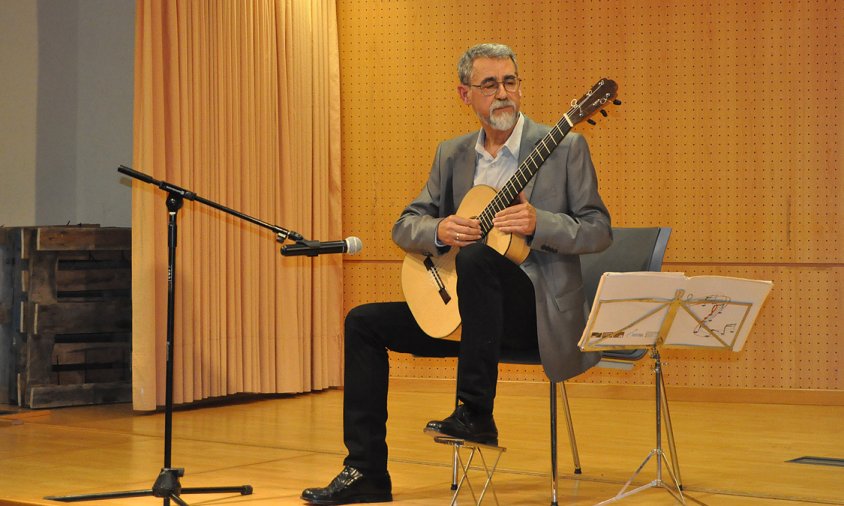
(669, 430)
(661, 402)
(657, 451)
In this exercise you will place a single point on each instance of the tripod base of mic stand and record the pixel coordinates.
(675, 490)
(166, 486)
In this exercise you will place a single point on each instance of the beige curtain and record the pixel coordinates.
(238, 101)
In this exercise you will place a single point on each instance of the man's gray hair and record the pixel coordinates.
(488, 50)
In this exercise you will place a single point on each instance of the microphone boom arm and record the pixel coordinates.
(282, 234)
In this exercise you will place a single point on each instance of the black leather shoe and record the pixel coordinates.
(463, 424)
(352, 486)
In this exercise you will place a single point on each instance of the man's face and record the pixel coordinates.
(500, 110)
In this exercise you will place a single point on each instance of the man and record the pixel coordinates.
(501, 304)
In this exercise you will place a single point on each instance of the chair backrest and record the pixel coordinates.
(632, 250)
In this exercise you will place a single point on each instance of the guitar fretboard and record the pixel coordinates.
(527, 169)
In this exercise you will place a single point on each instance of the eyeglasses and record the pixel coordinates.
(490, 88)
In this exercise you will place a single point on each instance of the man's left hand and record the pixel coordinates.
(518, 219)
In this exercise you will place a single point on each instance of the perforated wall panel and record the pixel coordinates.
(730, 133)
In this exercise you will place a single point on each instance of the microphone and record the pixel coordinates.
(349, 245)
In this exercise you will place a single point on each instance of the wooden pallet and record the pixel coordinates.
(73, 315)
(6, 329)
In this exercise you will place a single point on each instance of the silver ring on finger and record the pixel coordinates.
(457, 236)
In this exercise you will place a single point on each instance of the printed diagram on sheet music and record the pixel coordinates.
(714, 307)
(717, 318)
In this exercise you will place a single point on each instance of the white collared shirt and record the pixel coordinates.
(496, 171)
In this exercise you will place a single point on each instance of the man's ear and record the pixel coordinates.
(463, 91)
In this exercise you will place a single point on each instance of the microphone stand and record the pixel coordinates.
(167, 484)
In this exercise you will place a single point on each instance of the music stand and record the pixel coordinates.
(646, 310)
(167, 484)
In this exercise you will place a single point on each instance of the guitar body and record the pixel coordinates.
(433, 302)
(430, 283)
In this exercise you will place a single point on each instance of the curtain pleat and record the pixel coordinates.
(238, 102)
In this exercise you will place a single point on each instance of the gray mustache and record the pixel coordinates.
(500, 104)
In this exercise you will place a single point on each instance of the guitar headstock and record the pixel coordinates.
(592, 101)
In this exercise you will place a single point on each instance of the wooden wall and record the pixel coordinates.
(730, 133)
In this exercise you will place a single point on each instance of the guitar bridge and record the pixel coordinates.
(432, 269)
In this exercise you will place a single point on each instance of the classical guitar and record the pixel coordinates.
(430, 282)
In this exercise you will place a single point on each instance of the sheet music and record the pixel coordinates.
(631, 309)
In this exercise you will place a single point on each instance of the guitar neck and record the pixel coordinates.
(527, 169)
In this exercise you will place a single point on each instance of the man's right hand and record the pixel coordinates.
(458, 231)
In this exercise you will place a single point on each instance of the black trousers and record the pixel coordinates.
(498, 309)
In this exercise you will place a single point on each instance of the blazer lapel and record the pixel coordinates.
(530, 136)
(464, 171)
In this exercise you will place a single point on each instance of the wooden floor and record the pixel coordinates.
(729, 454)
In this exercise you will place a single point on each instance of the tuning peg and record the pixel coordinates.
(591, 122)
(603, 113)
(616, 102)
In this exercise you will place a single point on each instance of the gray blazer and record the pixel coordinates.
(571, 219)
